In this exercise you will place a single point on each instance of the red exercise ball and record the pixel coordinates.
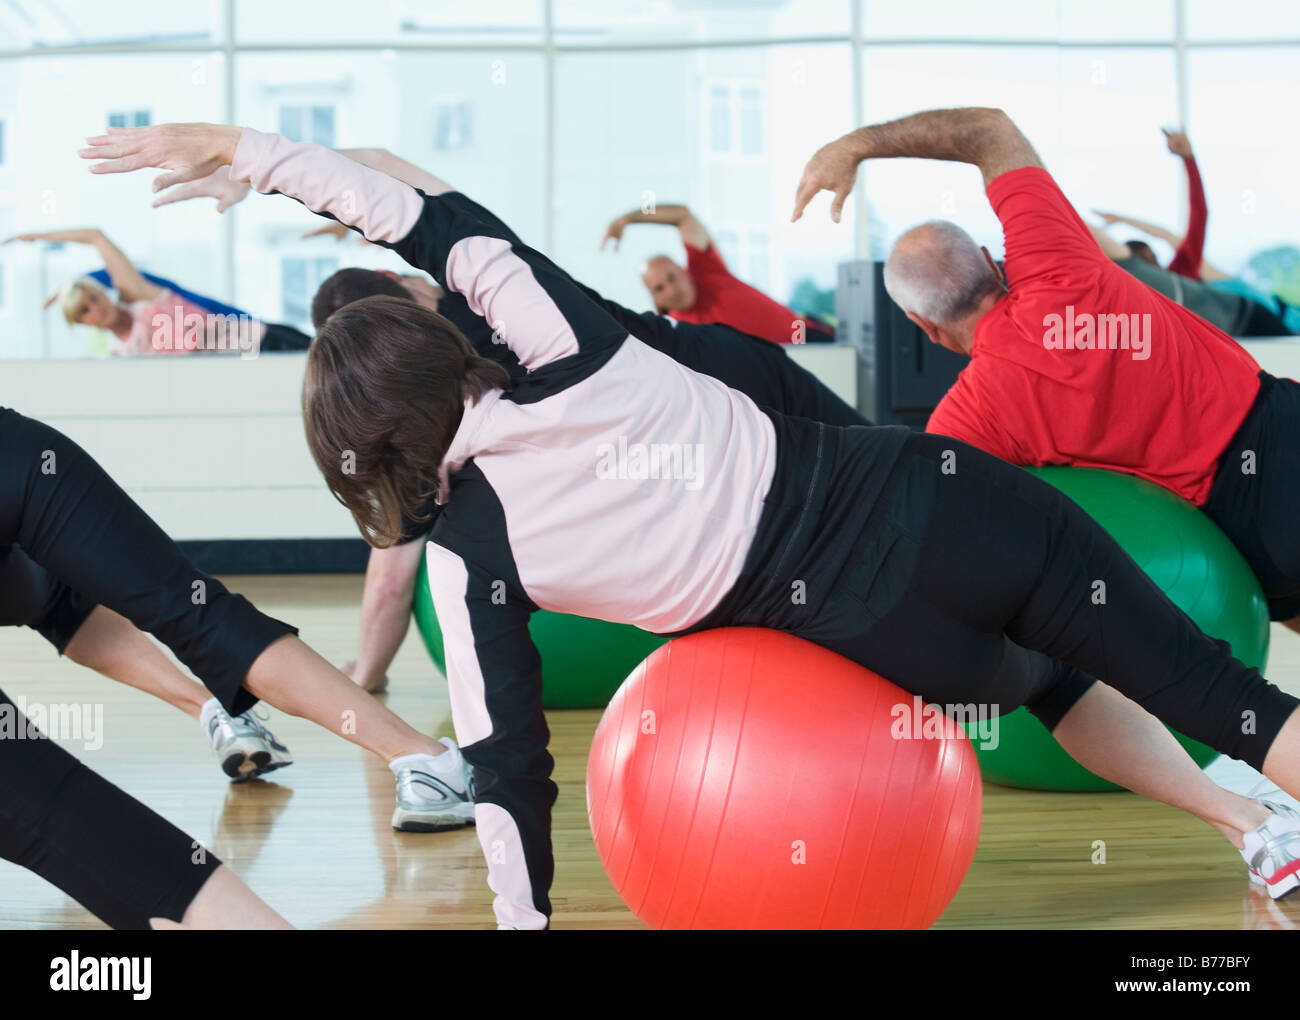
(744, 778)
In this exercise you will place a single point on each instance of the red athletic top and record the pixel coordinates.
(1187, 259)
(720, 297)
(1039, 390)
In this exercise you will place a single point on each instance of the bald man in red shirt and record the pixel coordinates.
(705, 291)
(1074, 361)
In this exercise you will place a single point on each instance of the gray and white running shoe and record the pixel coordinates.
(434, 792)
(244, 747)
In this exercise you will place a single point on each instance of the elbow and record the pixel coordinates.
(997, 123)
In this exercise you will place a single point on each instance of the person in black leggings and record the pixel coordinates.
(121, 861)
(99, 639)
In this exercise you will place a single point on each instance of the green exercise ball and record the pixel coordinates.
(583, 661)
(1194, 564)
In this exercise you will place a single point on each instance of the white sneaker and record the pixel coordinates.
(245, 748)
(1273, 851)
(434, 792)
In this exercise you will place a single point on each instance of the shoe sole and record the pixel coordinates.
(242, 767)
(417, 821)
(1284, 888)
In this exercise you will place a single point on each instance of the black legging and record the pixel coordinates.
(974, 583)
(279, 337)
(1261, 321)
(117, 858)
(71, 518)
(56, 817)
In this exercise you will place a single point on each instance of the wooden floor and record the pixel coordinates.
(317, 845)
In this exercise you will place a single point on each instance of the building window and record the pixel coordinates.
(311, 124)
(720, 119)
(736, 118)
(129, 118)
(453, 125)
(747, 253)
(300, 278)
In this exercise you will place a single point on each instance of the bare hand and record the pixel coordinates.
(190, 151)
(1110, 219)
(216, 185)
(1178, 143)
(372, 686)
(833, 167)
(614, 232)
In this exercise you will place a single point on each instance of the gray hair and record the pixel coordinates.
(938, 272)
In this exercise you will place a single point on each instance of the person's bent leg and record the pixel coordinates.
(225, 902)
(1115, 738)
(1066, 589)
(296, 680)
(109, 644)
(117, 858)
(76, 522)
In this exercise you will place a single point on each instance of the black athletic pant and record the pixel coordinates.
(1261, 321)
(1256, 493)
(30, 596)
(279, 337)
(56, 817)
(968, 581)
(118, 859)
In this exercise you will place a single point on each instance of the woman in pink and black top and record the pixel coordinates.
(150, 318)
(956, 575)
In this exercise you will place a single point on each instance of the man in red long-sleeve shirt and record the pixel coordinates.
(706, 291)
(1073, 360)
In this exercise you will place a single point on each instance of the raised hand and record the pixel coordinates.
(216, 185)
(190, 151)
(1110, 219)
(614, 232)
(1178, 143)
(833, 167)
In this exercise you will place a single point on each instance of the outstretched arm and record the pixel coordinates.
(540, 313)
(128, 280)
(692, 230)
(986, 138)
(1111, 248)
(1190, 250)
(1150, 229)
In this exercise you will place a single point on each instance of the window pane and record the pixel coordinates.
(720, 119)
(1212, 20)
(86, 22)
(600, 23)
(468, 118)
(621, 145)
(426, 22)
(1247, 160)
(62, 99)
(1093, 115)
(1044, 20)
